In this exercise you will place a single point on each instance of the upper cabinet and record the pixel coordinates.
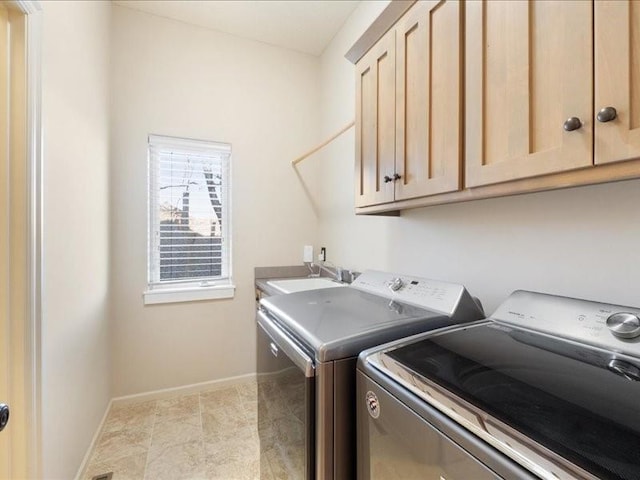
(429, 106)
(408, 107)
(548, 93)
(376, 123)
(529, 68)
(617, 94)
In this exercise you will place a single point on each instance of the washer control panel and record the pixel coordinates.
(421, 292)
(613, 327)
(624, 325)
(396, 284)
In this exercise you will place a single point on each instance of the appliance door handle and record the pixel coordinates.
(284, 343)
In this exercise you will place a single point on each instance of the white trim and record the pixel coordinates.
(33, 11)
(175, 295)
(166, 142)
(28, 7)
(184, 390)
(94, 443)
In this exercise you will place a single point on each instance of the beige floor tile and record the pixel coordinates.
(237, 458)
(247, 390)
(232, 451)
(172, 408)
(130, 415)
(250, 408)
(122, 443)
(247, 434)
(219, 398)
(125, 468)
(241, 470)
(176, 462)
(179, 430)
(223, 420)
(212, 436)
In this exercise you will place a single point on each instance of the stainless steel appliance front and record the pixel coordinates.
(402, 439)
(305, 409)
(286, 404)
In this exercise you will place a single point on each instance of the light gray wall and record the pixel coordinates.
(75, 320)
(579, 242)
(171, 78)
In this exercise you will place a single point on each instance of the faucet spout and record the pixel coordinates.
(321, 268)
(338, 274)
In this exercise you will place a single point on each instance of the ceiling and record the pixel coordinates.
(303, 25)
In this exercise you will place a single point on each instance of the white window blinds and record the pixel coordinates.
(189, 214)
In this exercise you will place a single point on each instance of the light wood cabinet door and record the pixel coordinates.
(376, 123)
(529, 67)
(617, 64)
(428, 99)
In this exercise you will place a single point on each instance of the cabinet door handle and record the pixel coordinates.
(397, 176)
(387, 179)
(607, 114)
(572, 124)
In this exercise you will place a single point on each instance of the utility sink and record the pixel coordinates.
(302, 284)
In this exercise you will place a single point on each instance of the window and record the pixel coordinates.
(189, 220)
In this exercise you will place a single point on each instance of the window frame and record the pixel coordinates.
(189, 289)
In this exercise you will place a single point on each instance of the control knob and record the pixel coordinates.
(396, 284)
(624, 325)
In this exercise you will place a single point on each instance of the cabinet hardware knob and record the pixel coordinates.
(397, 176)
(387, 179)
(572, 124)
(607, 114)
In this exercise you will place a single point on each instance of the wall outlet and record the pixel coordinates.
(323, 255)
(307, 254)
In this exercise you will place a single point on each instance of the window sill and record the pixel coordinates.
(190, 294)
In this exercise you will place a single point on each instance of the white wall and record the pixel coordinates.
(75, 338)
(579, 242)
(176, 79)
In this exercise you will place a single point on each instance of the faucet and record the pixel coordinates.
(338, 274)
(321, 267)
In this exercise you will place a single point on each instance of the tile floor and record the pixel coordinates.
(207, 436)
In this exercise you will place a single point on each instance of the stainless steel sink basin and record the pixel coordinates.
(302, 284)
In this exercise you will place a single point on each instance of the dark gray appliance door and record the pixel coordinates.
(399, 444)
(286, 405)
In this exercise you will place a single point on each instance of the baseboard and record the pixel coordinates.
(157, 395)
(184, 390)
(93, 444)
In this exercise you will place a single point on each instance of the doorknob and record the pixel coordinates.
(4, 415)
